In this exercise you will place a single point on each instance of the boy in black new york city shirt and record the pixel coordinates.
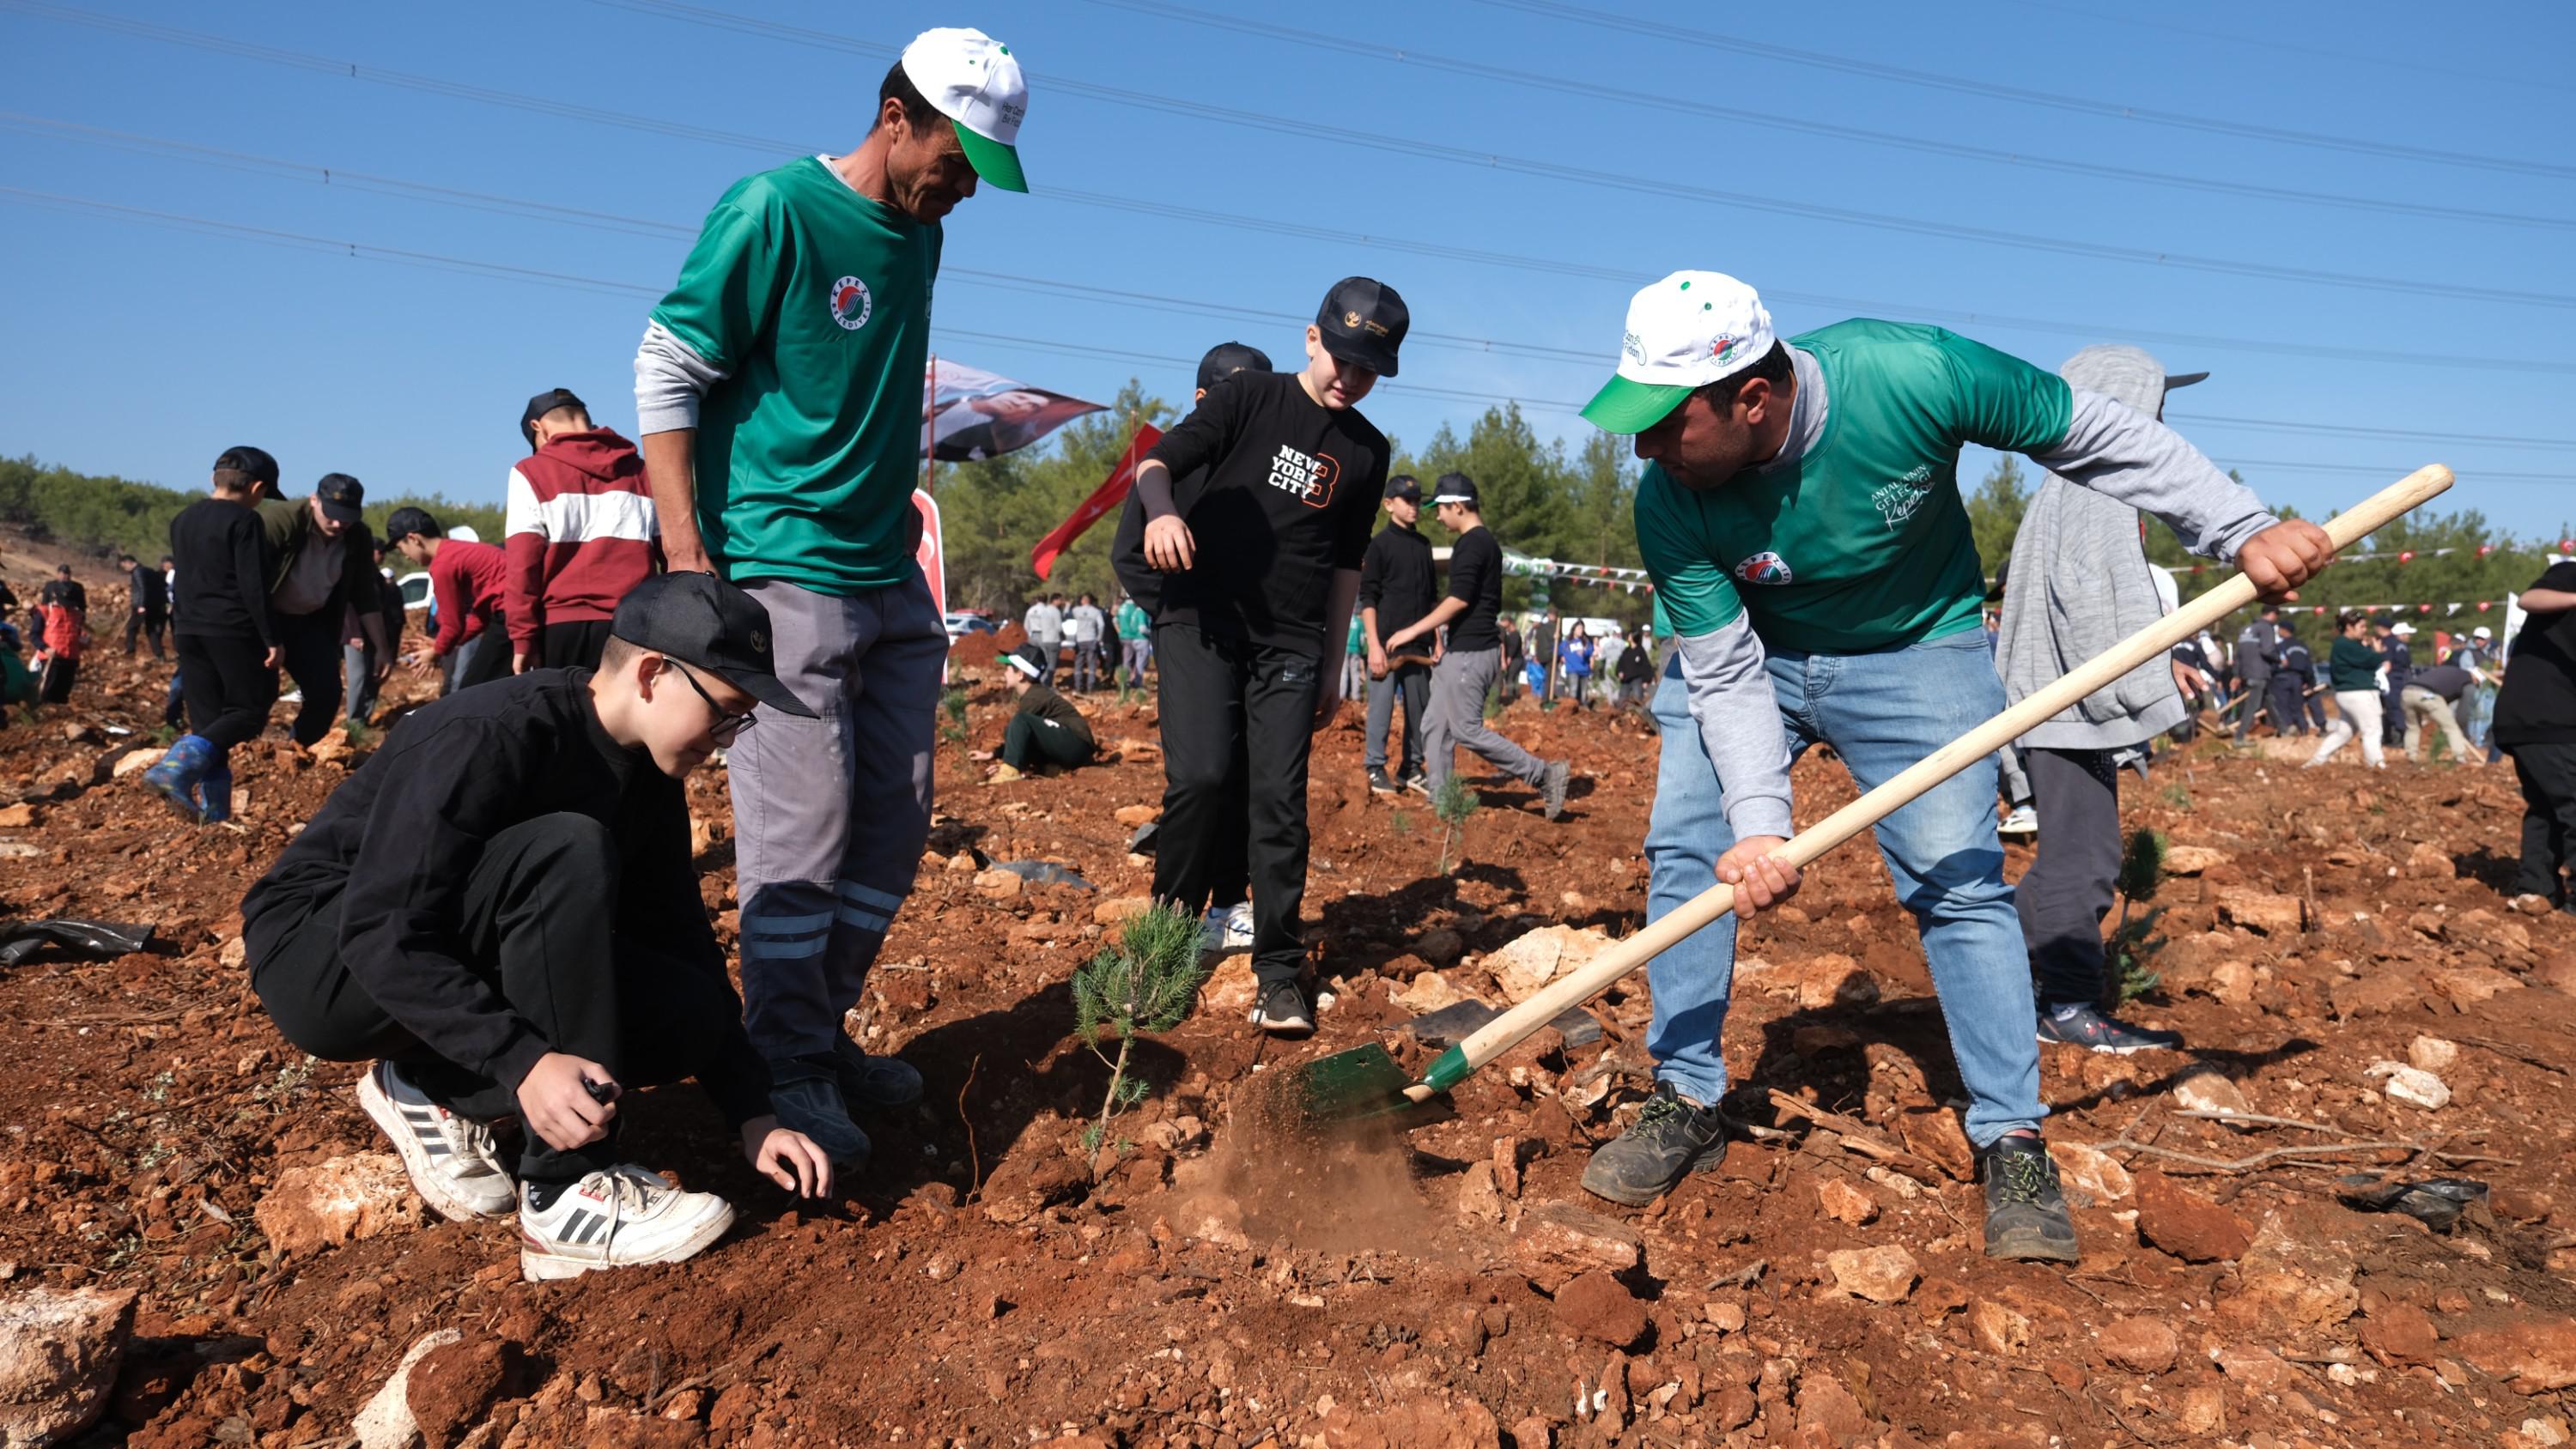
(1264, 565)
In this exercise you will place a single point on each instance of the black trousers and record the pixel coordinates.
(228, 686)
(2289, 710)
(2548, 776)
(2067, 891)
(54, 685)
(1235, 748)
(574, 644)
(1030, 739)
(311, 643)
(540, 928)
(148, 623)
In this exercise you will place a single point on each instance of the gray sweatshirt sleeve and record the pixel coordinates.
(1739, 724)
(2115, 450)
(670, 378)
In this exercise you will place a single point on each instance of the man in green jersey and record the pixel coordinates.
(1800, 514)
(779, 391)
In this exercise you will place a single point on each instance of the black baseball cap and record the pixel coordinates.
(699, 619)
(1364, 321)
(255, 461)
(1404, 486)
(544, 403)
(343, 498)
(1030, 660)
(1228, 358)
(1456, 488)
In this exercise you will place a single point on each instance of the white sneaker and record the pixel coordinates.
(453, 1162)
(617, 1218)
(2022, 821)
(1225, 930)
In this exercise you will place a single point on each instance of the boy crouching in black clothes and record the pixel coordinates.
(1045, 730)
(499, 909)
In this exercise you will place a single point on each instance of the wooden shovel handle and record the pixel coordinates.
(1589, 980)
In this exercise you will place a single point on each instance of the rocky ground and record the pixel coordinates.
(2335, 950)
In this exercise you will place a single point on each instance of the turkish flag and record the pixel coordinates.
(1111, 492)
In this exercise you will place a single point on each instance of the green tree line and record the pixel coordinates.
(1542, 499)
(105, 516)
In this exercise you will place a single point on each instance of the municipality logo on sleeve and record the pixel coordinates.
(852, 304)
(1765, 567)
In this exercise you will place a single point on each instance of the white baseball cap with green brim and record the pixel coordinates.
(1684, 332)
(975, 82)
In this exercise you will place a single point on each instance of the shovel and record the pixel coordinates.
(1365, 1083)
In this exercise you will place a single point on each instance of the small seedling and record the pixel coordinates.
(1453, 802)
(1493, 701)
(953, 705)
(2178, 795)
(358, 733)
(1146, 983)
(2134, 943)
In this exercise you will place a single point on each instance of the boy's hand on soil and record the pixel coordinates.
(787, 1158)
(1758, 878)
(555, 1097)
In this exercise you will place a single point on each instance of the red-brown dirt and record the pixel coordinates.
(1220, 1288)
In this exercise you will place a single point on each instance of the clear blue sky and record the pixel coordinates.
(141, 348)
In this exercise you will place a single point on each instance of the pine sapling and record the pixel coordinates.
(2134, 943)
(1453, 802)
(953, 728)
(1147, 982)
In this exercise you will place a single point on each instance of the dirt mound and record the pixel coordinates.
(1206, 1280)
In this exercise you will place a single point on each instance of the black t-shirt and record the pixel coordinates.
(1476, 578)
(151, 592)
(1290, 491)
(1396, 579)
(223, 564)
(2537, 705)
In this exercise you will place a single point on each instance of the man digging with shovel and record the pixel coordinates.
(1800, 515)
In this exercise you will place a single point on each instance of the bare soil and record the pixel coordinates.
(1216, 1285)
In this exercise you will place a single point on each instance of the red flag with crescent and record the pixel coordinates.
(1111, 492)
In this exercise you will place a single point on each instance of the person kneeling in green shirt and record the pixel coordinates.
(1047, 729)
(1800, 515)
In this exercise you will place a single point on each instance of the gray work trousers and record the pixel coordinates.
(1458, 685)
(830, 814)
(1414, 682)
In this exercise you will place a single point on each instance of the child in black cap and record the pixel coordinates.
(500, 910)
(1047, 727)
(1262, 568)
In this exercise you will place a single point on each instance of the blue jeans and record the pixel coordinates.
(1881, 712)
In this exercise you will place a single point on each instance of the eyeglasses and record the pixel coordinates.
(728, 725)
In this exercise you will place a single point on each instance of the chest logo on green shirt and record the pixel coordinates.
(1897, 501)
(1309, 478)
(852, 304)
(1765, 567)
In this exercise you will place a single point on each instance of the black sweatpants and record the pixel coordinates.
(149, 623)
(540, 916)
(574, 644)
(2067, 890)
(1030, 738)
(228, 686)
(2548, 776)
(1236, 740)
(311, 643)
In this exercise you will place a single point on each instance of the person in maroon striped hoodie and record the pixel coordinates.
(581, 532)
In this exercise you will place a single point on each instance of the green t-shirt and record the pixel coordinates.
(1132, 622)
(815, 302)
(1863, 543)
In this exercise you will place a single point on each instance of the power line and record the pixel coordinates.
(2084, 105)
(1734, 201)
(1040, 286)
(1665, 102)
(367, 251)
(1167, 210)
(2412, 66)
